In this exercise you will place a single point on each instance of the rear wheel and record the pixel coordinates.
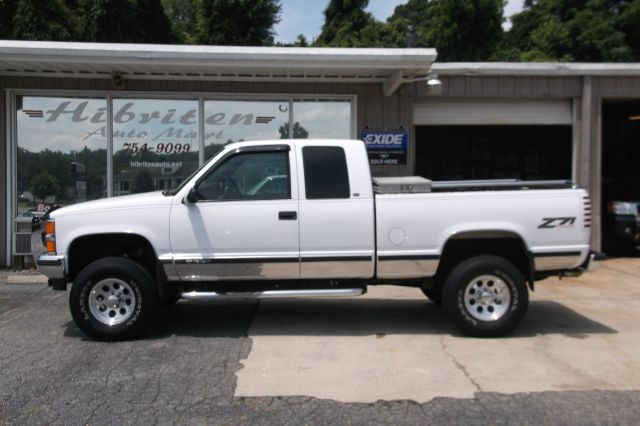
(112, 299)
(486, 296)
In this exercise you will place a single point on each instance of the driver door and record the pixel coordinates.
(244, 224)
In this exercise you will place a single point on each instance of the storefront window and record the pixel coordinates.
(62, 142)
(315, 118)
(155, 143)
(233, 121)
(61, 151)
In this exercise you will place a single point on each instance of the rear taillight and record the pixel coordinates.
(586, 207)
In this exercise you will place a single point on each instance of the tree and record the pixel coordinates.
(574, 30)
(299, 132)
(42, 20)
(126, 21)
(461, 30)
(347, 24)
(301, 41)
(239, 22)
(7, 12)
(629, 23)
(184, 17)
(153, 24)
(44, 185)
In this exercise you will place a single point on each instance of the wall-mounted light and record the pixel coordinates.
(634, 118)
(116, 80)
(434, 84)
(395, 80)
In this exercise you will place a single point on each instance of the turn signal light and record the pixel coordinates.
(49, 227)
(50, 236)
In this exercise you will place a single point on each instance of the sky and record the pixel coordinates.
(306, 17)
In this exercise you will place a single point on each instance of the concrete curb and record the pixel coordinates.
(24, 279)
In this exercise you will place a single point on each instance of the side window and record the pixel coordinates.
(325, 172)
(248, 176)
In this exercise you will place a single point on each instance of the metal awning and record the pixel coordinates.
(220, 63)
(537, 69)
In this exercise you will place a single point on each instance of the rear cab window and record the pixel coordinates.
(325, 172)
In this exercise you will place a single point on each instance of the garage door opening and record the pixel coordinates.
(494, 152)
(620, 177)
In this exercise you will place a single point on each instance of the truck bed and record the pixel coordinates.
(412, 229)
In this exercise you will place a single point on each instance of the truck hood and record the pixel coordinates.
(147, 199)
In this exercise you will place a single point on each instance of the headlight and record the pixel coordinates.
(621, 208)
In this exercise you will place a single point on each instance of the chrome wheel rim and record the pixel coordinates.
(112, 301)
(487, 297)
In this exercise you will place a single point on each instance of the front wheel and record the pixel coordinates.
(486, 295)
(112, 299)
(434, 294)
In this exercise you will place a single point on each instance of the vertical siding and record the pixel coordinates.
(3, 177)
(620, 87)
(504, 86)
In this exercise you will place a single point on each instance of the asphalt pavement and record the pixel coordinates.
(189, 366)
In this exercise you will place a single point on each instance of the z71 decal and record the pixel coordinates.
(557, 222)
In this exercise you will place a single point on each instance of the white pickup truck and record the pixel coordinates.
(288, 218)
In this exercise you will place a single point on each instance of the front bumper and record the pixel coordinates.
(627, 227)
(52, 266)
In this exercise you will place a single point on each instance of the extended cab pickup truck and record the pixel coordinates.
(290, 218)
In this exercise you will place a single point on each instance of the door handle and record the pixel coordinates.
(287, 215)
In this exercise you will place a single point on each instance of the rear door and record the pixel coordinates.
(336, 213)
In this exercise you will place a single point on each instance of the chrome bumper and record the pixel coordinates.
(52, 266)
(593, 261)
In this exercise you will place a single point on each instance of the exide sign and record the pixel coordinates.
(384, 139)
(386, 147)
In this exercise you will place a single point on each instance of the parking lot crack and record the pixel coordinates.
(458, 364)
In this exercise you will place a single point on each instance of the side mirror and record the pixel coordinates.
(192, 196)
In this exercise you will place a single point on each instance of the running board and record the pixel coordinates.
(338, 292)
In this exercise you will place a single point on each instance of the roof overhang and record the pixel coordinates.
(219, 63)
(537, 69)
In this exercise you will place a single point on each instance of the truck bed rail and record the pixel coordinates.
(499, 184)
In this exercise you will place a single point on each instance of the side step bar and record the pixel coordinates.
(338, 292)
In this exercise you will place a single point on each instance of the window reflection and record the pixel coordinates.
(321, 118)
(233, 121)
(62, 141)
(155, 143)
(61, 151)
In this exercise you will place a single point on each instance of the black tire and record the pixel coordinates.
(475, 297)
(168, 300)
(134, 305)
(433, 294)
